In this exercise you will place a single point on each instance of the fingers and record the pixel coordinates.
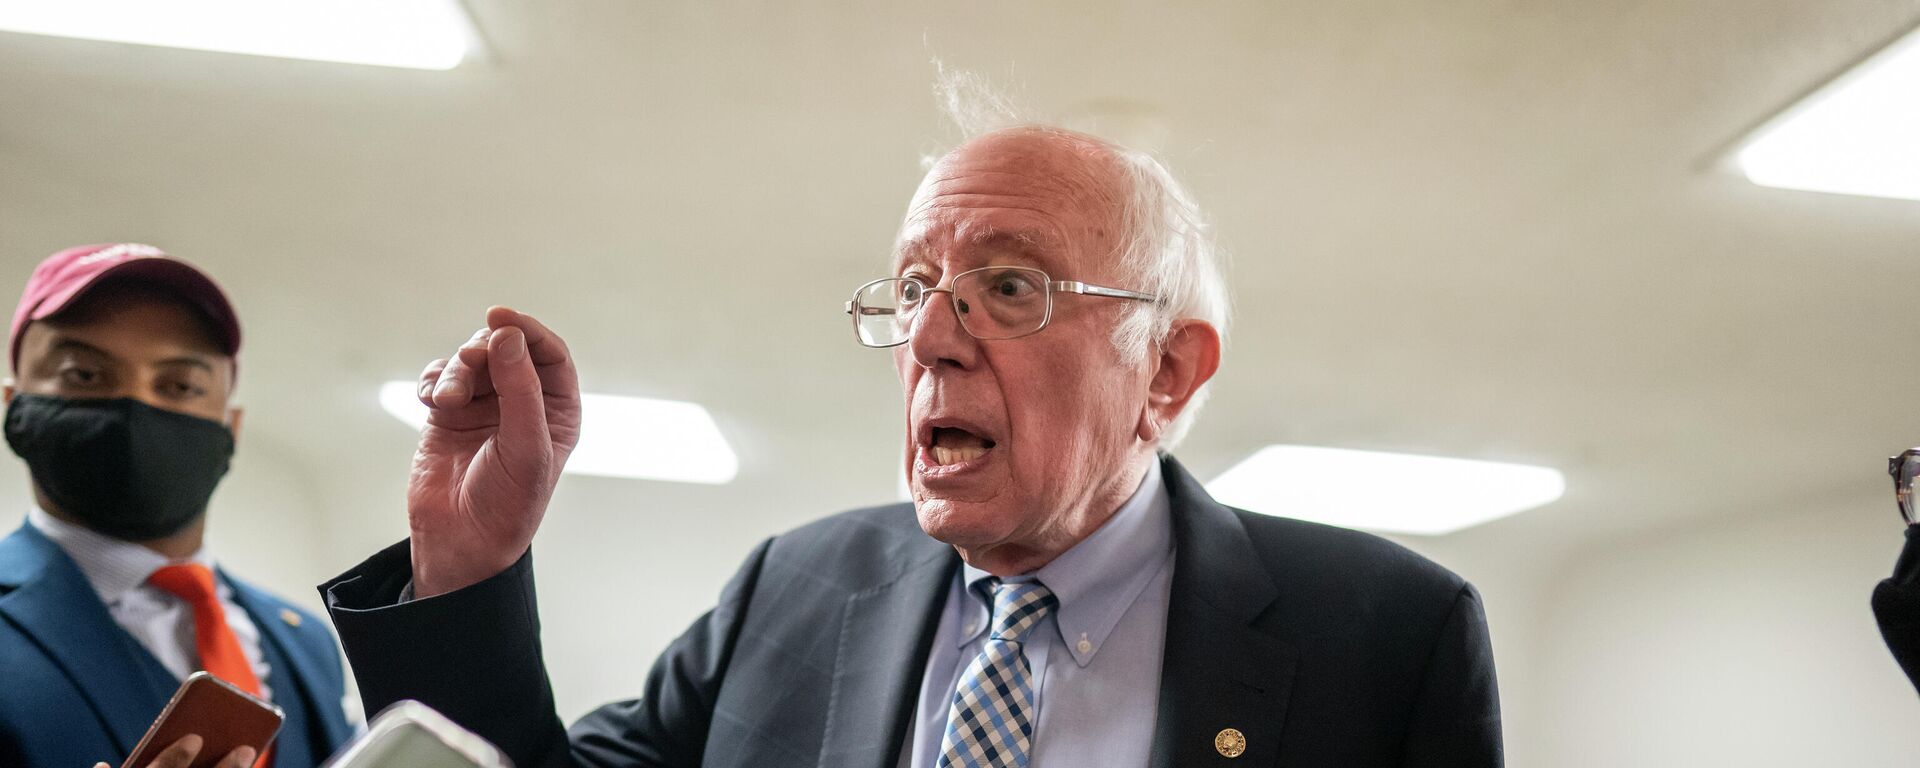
(551, 360)
(523, 440)
(240, 757)
(180, 754)
(547, 347)
(460, 379)
(428, 378)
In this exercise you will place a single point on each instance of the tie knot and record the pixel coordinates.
(191, 582)
(1018, 607)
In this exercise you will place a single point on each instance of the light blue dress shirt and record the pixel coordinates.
(1095, 659)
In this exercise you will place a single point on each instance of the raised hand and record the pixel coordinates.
(504, 413)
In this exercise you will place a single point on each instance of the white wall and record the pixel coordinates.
(1745, 642)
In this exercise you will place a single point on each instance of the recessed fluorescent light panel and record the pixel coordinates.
(1859, 135)
(1388, 492)
(418, 34)
(631, 437)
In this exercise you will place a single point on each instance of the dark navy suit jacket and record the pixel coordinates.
(1323, 646)
(75, 688)
(1896, 605)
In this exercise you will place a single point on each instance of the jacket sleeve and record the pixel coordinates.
(474, 655)
(1456, 717)
(1896, 605)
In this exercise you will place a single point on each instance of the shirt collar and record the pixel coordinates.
(1099, 578)
(112, 566)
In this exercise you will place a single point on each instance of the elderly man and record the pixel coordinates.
(1059, 593)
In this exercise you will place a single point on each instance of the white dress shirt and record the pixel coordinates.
(161, 622)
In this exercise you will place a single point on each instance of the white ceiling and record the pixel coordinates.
(1490, 229)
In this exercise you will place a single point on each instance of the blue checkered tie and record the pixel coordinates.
(991, 722)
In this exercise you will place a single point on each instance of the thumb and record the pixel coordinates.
(523, 439)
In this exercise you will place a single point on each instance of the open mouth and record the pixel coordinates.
(948, 446)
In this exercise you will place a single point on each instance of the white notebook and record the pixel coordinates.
(409, 734)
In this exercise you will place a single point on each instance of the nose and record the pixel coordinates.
(937, 337)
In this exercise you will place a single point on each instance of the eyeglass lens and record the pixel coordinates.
(992, 303)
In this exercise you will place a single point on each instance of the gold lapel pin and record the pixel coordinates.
(1230, 742)
(287, 615)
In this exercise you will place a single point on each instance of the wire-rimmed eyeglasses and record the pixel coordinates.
(991, 302)
(1904, 468)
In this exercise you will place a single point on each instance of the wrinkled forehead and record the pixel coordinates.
(1051, 200)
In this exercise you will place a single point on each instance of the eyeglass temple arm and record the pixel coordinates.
(1075, 286)
(869, 310)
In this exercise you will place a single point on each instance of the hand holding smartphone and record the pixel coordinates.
(222, 717)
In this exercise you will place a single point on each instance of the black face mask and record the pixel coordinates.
(121, 467)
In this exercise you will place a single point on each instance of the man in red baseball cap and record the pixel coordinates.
(120, 403)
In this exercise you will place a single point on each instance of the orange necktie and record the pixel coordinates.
(220, 653)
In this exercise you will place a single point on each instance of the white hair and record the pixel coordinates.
(1166, 244)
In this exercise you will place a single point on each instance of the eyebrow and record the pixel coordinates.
(1027, 245)
(189, 360)
(1021, 241)
(76, 345)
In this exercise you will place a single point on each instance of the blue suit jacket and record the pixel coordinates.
(75, 688)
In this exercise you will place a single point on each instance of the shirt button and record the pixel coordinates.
(969, 629)
(1086, 646)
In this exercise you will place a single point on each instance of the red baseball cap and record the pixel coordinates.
(67, 275)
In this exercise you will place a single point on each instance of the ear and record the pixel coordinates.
(233, 421)
(1183, 364)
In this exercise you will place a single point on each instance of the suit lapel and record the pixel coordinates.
(269, 616)
(884, 639)
(52, 603)
(1220, 671)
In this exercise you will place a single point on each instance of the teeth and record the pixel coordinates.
(943, 455)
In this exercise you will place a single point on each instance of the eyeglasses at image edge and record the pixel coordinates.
(1903, 468)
